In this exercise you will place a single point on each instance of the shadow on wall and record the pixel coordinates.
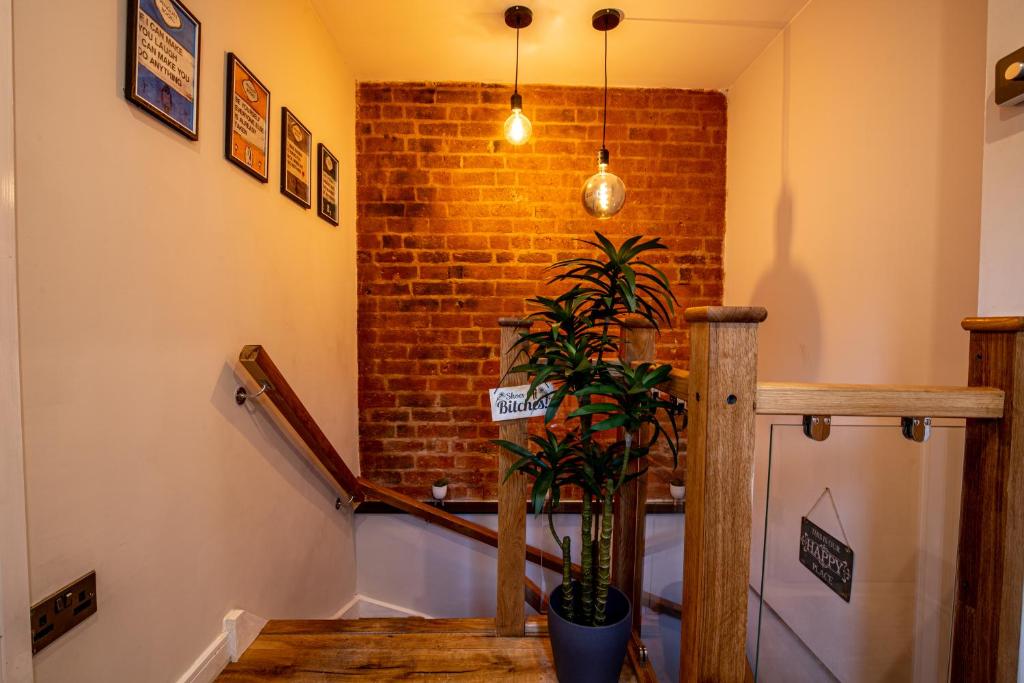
(957, 193)
(260, 426)
(786, 289)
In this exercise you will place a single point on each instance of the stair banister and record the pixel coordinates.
(990, 560)
(510, 616)
(629, 529)
(719, 491)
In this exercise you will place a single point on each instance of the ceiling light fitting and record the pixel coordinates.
(604, 192)
(517, 127)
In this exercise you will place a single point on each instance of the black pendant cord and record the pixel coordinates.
(604, 124)
(515, 88)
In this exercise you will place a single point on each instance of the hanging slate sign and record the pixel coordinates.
(827, 557)
(512, 403)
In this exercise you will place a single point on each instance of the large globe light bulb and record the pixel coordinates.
(517, 127)
(604, 193)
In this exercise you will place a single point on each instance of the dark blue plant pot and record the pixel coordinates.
(590, 654)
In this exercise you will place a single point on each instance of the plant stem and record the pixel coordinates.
(628, 438)
(567, 593)
(566, 545)
(604, 561)
(587, 560)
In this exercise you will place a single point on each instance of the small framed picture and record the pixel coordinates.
(327, 187)
(247, 128)
(162, 63)
(296, 159)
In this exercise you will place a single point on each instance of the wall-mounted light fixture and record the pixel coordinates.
(1010, 78)
(604, 192)
(517, 127)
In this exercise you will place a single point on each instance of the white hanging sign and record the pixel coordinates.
(512, 403)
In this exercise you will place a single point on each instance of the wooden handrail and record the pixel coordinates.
(862, 400)
(477, 532)
(883, 400)
(255, 359)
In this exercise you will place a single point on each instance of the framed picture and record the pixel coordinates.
(327, 187)
(247, 128)
(296, 159)
(162, 63)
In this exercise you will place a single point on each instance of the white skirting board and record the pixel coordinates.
(241, 628)
(363, 606)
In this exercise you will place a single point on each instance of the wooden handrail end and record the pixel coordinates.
(249, 352)
(1004, 323)
(515, 322)
(725, 314)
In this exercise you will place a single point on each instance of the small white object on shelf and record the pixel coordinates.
(677, 491)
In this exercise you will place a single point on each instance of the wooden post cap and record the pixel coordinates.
(725, 314)
(1004, 323)
(636, 322)
(514, 322)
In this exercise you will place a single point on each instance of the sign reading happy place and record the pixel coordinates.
(826, 557)
(514, 403)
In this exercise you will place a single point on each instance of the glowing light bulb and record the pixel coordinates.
(604, 193)
(517, 127)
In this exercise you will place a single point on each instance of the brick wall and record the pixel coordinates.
(456, 227)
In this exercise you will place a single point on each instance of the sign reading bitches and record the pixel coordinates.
(514, 403)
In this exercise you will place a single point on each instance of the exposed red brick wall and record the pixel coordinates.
(456, 227)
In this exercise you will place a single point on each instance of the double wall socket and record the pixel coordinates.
(57, 614)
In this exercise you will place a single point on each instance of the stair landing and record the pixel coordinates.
(400, 649)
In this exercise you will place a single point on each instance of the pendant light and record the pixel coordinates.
(604, 193)
(517, 127)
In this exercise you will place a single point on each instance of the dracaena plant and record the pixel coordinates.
(575, 348)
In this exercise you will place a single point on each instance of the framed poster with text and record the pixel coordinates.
(296, 159)
(162, 63)
(327, 187)
(247, 125)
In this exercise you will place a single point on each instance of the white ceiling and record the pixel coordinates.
(662, 43)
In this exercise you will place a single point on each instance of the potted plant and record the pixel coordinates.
(677, 489)
(612, 420)
(439, 489)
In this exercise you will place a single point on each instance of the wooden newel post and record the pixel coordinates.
(719, 490)
(990, 565)
(510, 618)
(629, 529)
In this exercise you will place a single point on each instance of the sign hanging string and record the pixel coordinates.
(832, 500)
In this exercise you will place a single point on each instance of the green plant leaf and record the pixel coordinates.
(611, 423)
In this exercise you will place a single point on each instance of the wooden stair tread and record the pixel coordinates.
(395, 649)
(475, 626)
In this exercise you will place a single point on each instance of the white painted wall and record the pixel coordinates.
(854, 195)
(417, 566)
(15, 645)
(146, 261)
(1002, 222)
